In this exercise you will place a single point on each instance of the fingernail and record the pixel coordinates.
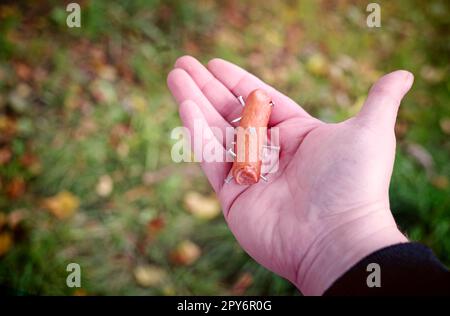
(408, 76)
(408, 79)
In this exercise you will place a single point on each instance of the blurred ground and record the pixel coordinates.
(85, 121)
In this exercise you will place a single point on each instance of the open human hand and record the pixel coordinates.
(327, 205)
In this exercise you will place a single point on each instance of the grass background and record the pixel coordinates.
(85, 120)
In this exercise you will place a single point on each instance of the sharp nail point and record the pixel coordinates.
(241, 100)
(236, 120)
(228, 179)
(231, 152)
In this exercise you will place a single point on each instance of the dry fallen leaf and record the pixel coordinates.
(242, 284)
(5, 243)
(16, 188)
(440, 182)
(204, 207)
(149, 275)
(107, 72)
(80, 292)
(23, 71)
(62, 205)
(186, 253)
(155, 226)
(401, 128)
(104, 186)
(5, 155)
(8, 126)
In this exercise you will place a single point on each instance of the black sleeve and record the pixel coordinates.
(404, 269)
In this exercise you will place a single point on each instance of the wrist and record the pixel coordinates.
(334, 254)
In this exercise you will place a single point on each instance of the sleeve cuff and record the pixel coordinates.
(402, 269)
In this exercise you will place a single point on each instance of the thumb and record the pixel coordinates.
(381, 106)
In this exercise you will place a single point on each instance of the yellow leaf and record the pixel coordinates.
(440, 182)
(5, 243)
(169, 290)
(200, 206)
(317, 65)
(138, 103)
(186, 253)
(63, 205)
(149, 275)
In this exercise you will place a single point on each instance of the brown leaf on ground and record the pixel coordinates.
(107, 72)
(155, 226)
(204, 207)
(186, 253)
(149, 275)
(440, 182)
(8, 127)
(5, 155)
(31, 162)
(62, 205)
(28, 159)
(242, 284)
(401, 128)
(80, 292)
(23, 71)
(16, 188)
(137, 193)
(6, 242)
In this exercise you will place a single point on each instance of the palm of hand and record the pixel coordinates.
(329, 176)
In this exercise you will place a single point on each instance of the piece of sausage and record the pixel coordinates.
(251, 135)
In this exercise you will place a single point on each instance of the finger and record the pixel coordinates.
(202, 139)
(241, 82)
(383, 101)
(184, 88)
(220, 97)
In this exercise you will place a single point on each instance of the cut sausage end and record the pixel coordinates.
(246, 176)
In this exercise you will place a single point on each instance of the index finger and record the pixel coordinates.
(241, 82)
